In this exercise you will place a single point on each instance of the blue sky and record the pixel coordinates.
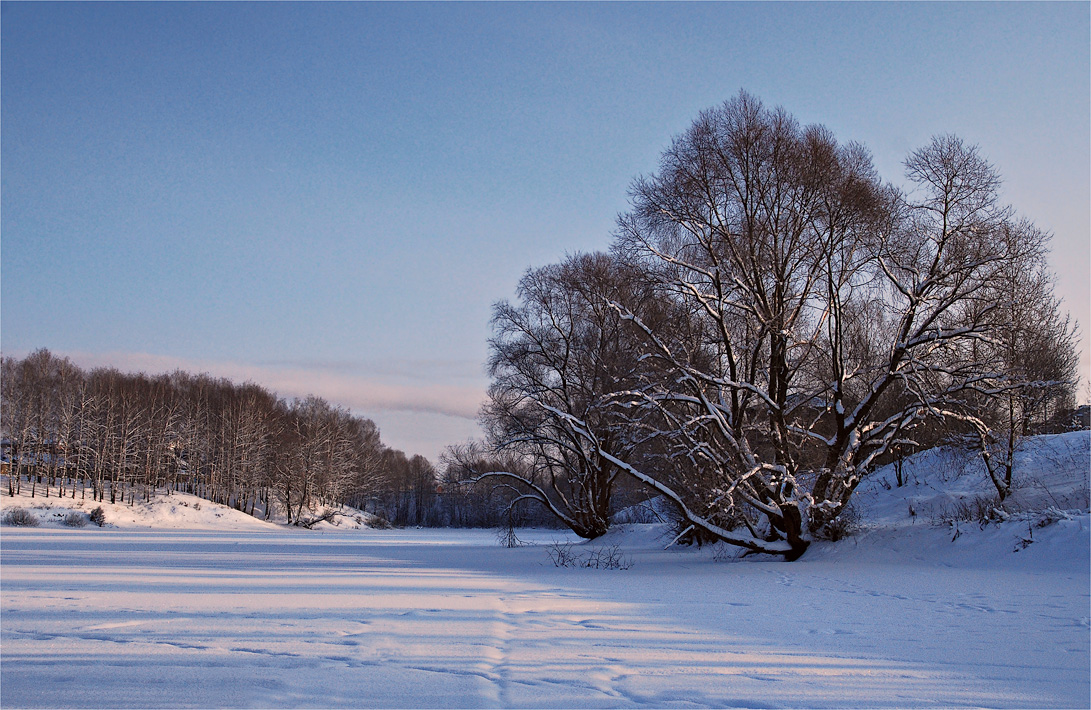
(328, 198)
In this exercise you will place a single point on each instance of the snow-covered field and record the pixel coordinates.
(186, 609)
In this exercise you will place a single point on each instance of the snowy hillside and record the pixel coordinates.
(947, 511)
(177, 511)
(1050, 472)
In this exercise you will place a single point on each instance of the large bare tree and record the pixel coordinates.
(558, 354)
(839, 313)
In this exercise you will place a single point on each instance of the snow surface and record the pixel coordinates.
(925, 610)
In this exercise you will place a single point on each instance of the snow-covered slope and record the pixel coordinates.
(947, 512)
(177, 511)
(174, 511)
(1050, 472)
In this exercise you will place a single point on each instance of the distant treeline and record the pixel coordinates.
(126, 437)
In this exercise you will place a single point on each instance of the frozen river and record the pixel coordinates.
(123, 618)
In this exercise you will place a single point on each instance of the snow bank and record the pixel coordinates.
(1050, 472)
(947, 512)
(176, 511)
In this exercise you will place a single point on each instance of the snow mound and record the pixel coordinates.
(174, 511)
(948, 512)
(941, 484)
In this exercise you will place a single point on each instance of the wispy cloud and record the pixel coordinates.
(414, 369)
(429, 387)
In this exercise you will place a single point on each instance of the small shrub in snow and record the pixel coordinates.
(979, 509)
(98, 516)
(608, 558)
(561, 554)
(75, 519)
(21, 517)
(506, 536)
(844, 525)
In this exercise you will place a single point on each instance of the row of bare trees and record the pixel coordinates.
(773, 322)
(123, 437)
(417, 494)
